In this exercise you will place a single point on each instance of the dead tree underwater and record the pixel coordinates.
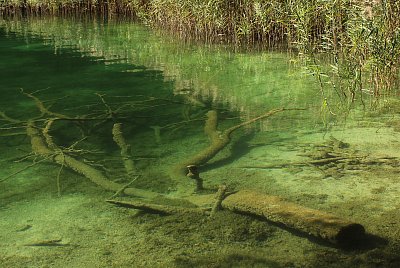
(271, 208)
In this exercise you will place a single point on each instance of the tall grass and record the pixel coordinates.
(364, 49)
(105, 8)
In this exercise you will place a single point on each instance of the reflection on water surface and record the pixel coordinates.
(241, 80)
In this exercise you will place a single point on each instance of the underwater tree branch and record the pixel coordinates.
(42, 108)
(125, 149)
(218, 140)
(9, 119)
(24, 168)
(40, 147)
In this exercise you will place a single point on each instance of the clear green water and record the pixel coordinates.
(241, 80)
(160, 90)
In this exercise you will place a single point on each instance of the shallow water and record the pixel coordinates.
(161, 90)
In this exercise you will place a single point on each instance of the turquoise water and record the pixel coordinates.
(89, 76)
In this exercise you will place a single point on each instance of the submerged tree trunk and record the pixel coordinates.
(310, 221)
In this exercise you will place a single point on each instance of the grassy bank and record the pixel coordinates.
(360, 38)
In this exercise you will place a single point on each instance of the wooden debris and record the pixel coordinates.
(193, 173)
(119, 139)
(40, 148)
(310, 221)
(219, 197)
(218, 140)
(315, 223)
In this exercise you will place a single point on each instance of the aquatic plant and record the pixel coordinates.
(360, 41)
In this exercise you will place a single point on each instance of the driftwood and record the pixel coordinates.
(219, 197)
(47, 243)
(306, 220)
(272, 208)
(333, 158)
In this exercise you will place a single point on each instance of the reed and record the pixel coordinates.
(103, 8)
(365, 52)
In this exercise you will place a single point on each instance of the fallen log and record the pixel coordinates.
(306, 220)
(314, 223)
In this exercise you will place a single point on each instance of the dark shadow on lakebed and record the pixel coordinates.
(239, 148)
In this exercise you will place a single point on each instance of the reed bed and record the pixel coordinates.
(273, 22)
(360, 39)
(103, 8)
